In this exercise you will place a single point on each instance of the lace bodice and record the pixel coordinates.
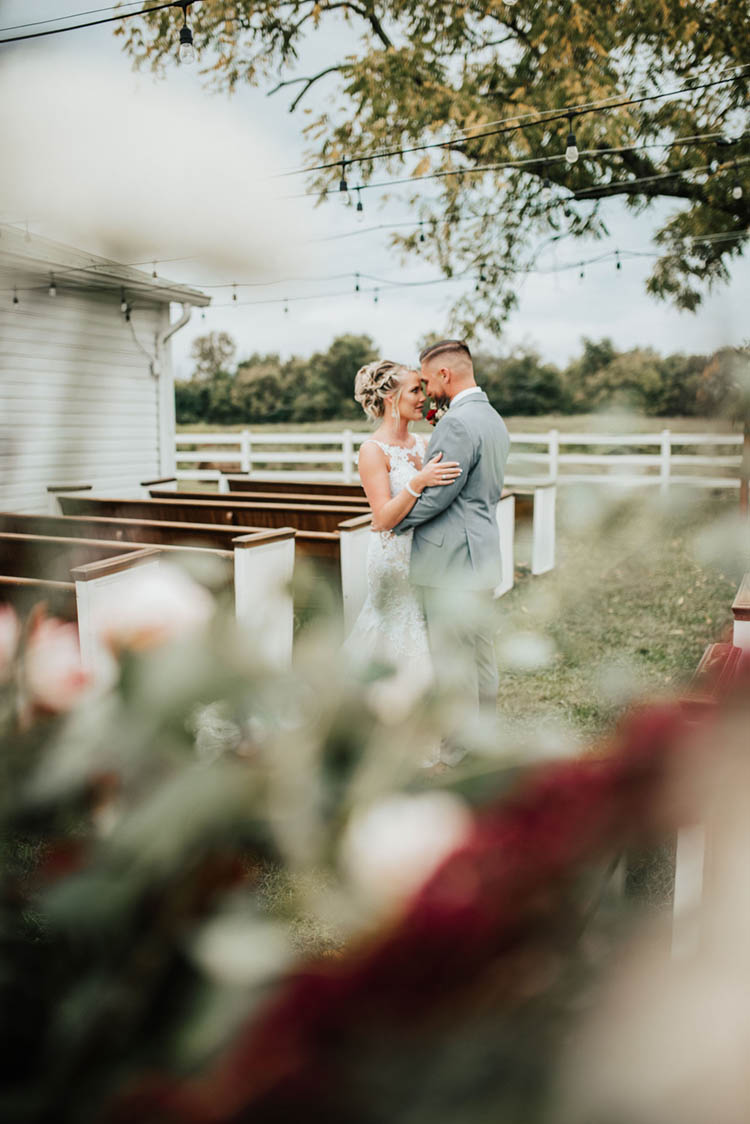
(402, 466)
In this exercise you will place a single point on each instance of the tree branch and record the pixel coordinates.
(308, 82)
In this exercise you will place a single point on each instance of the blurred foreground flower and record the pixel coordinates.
(392, 847)
(53, 675)
(163, 603)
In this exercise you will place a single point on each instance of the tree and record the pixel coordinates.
(490, 83)
(212, 353)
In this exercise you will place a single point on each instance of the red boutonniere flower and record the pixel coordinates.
(437, 410)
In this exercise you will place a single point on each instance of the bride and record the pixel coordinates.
(391, 626)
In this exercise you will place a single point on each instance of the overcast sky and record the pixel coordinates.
(230, 220)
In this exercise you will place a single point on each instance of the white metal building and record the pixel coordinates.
(86, 389)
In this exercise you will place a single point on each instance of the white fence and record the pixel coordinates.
(535, 457)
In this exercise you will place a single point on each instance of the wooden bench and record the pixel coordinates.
(303, 494)
(255, 484)
(261, 568)
(316, 524)
(741, 614)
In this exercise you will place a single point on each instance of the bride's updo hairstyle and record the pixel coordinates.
(375, 382)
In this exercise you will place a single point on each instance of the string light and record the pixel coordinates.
(376, 296)
(154, 274)
(546, 187)
(356, 282)
(123, 302)
(187, 50)
(618, 263)
(343, 186)
(571, 145)
(15, 296)
(536, 117)
(286, 306)
(90, 23)
(234, 292)
(52, 286)
(360, 207)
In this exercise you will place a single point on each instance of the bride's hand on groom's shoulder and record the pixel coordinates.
(438, 472)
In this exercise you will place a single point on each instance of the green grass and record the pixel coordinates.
(630, 609)
(566, 423)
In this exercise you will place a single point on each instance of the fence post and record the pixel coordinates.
(553, 439)
(348, 451)
(246, 451)
(665, 465)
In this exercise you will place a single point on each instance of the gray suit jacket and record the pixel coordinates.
(456, 540)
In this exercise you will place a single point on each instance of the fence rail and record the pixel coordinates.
(333, 456)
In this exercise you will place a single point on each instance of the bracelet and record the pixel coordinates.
(412, 492)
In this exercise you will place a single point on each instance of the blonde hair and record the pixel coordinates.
(377, 381)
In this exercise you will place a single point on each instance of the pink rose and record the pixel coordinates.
(54, 676)
(163, 603)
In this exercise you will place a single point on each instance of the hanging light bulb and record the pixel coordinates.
(618, 263)
(343, 186)
(153, 272)
(713, 167)
(286, 306)
(52, 286)
(123, 302)
(421, 234)
(360, 208)
(187, 50)
(15, 296)
(356, 282)
(376, 296)
(582, 274)
(234, 292)
(737, 186)
(571, 144)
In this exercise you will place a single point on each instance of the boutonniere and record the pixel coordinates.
(437, 410)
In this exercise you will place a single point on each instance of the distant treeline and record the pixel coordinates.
(263, 388)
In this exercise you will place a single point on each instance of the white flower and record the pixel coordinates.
(391, 848)
(162, 603)
(53, 674)
(10, 630)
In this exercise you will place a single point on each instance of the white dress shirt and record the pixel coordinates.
(464, 394)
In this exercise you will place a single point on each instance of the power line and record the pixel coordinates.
(535, 161)
(71, 16)
(525, 121)
(92, 23)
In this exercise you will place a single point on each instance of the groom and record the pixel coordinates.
(455, 555)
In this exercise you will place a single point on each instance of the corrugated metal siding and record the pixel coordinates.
(78, 403)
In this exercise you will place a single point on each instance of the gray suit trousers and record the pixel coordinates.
(461, 631)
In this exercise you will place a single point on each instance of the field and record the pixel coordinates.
(566, 423)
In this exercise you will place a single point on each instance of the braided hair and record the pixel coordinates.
(377, 381)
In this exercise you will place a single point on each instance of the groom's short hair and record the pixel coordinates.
(444, 346)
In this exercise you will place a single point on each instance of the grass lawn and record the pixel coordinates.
(566, 423)
(629, 608)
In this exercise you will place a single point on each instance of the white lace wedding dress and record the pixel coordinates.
(390, 628)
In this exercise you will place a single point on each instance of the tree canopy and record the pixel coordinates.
(489, 83)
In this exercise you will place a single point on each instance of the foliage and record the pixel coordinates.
(423, 71)
(265, 389)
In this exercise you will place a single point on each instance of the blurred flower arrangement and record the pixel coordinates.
(456, 933)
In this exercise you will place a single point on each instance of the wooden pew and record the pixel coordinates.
(254, 484)
(356, 503)
(741, 614)
(305, 518)
(262, 571)
(152, 532)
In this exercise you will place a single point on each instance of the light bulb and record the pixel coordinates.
(123, 302)
(737, 190)
(571, 145)
(360, 208)
(356, 282)
(52, 285)
(618, 263)
(375, 298)
(546, 188)
(15, 297)
(187, 50)
(343, 186)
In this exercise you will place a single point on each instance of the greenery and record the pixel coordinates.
(419, 71)
(266, 389)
